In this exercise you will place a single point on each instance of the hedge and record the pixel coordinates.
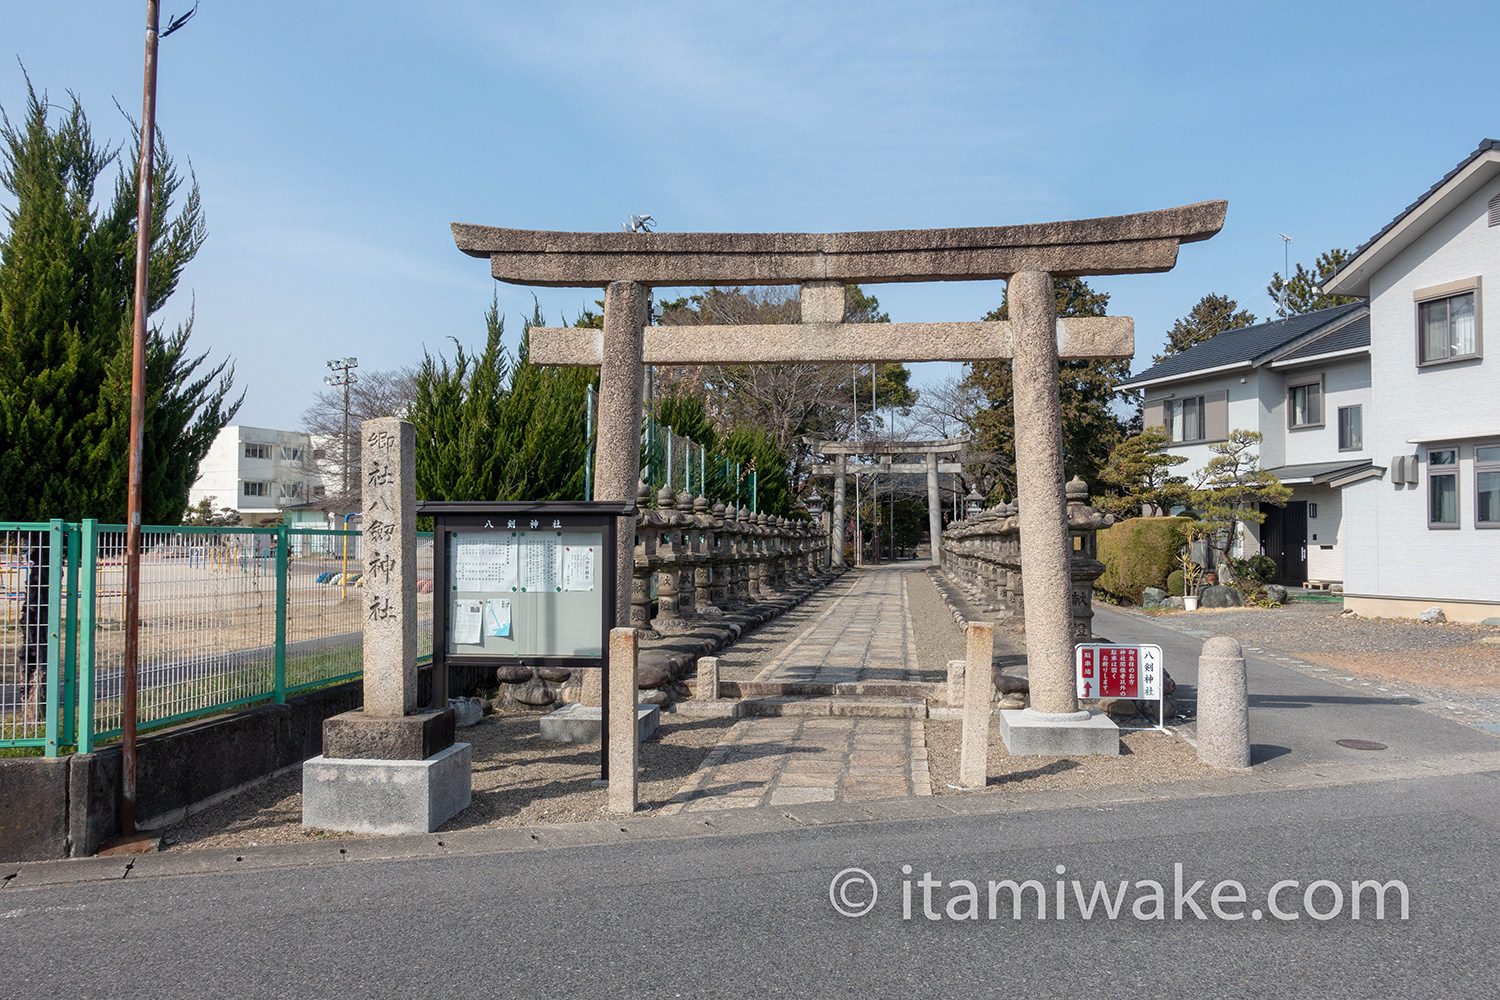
(1139, 553)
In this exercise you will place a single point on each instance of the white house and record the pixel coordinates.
(1304, 384)
(1429, 527)
(259, 472)
(1381, 415)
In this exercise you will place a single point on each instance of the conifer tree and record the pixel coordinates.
(67, 267)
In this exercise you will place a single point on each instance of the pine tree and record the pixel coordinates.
(1086, 388)
(1213, 315)
(67, 268)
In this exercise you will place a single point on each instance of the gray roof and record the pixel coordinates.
(1346, 337)
(1318, 473)
(1247, 345)
(1484, 146)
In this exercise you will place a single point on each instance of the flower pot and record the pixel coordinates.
(1190, 603)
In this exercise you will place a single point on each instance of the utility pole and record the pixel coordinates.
(135, 491)
(345, 377)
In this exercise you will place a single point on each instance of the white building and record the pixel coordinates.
(259, 472)
(1427, 528)
(1400, 380)
(1304, 384)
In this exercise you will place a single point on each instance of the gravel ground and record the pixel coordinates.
(935, 635)
(1146, 758)
(519, 780)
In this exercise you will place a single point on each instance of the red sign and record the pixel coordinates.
(1119, 671)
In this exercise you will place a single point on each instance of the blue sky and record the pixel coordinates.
(335, 142)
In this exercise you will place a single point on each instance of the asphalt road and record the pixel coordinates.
(750, 915)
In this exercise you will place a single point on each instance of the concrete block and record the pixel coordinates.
(955, 683)
(1072, 734)
(357, 736)
(387, 796)
(583, 723)
(706, 709)
(708, 679)
(33, 808)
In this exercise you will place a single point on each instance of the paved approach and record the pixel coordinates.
(863, 635)
(818, 745)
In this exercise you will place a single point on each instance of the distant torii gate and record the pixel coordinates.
(840, 468)
(628, 265)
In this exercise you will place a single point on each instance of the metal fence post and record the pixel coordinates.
(281, 606)
(70, 639)
(88, 552)
(55, 627)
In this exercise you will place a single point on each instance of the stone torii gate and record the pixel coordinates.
(628, 265)
(930, 450)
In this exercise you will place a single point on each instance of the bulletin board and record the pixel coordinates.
(526, 593)
(531, 584)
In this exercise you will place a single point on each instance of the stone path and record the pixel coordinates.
(794, 760)
(864, 635)
(831, 722)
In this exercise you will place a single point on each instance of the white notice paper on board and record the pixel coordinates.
(578, 567)
(468, 620)
(484, 562)
(540, 564)
(500, 617)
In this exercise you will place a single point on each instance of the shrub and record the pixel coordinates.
(1175, 583)
(1139, 553)
(1256, 569)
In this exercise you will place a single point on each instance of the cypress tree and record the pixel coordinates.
(67, 272)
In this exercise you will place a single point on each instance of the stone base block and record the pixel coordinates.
(1026, 731)
(583, 723)
(387, 796)
(418, 736)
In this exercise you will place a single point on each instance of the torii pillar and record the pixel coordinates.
(840, 466)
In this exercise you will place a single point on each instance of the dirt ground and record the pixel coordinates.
(1148, 757)
(519, 780)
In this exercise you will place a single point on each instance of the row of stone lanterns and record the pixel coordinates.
(709, 559)
(982, 553)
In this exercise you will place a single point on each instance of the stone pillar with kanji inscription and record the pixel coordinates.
(388, 767)
(389, 505)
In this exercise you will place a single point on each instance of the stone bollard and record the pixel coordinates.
(955, 683)
(979, 694)
(624, 744)
(1223, 706)
(708, 679)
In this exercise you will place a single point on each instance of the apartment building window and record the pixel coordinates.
(1448, 322)
(1305, 405)
(1351, 428)
(1487, 486)
(291, 490)
(254, 489)
(291, 454)
(257, 451)
(1442, 488)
